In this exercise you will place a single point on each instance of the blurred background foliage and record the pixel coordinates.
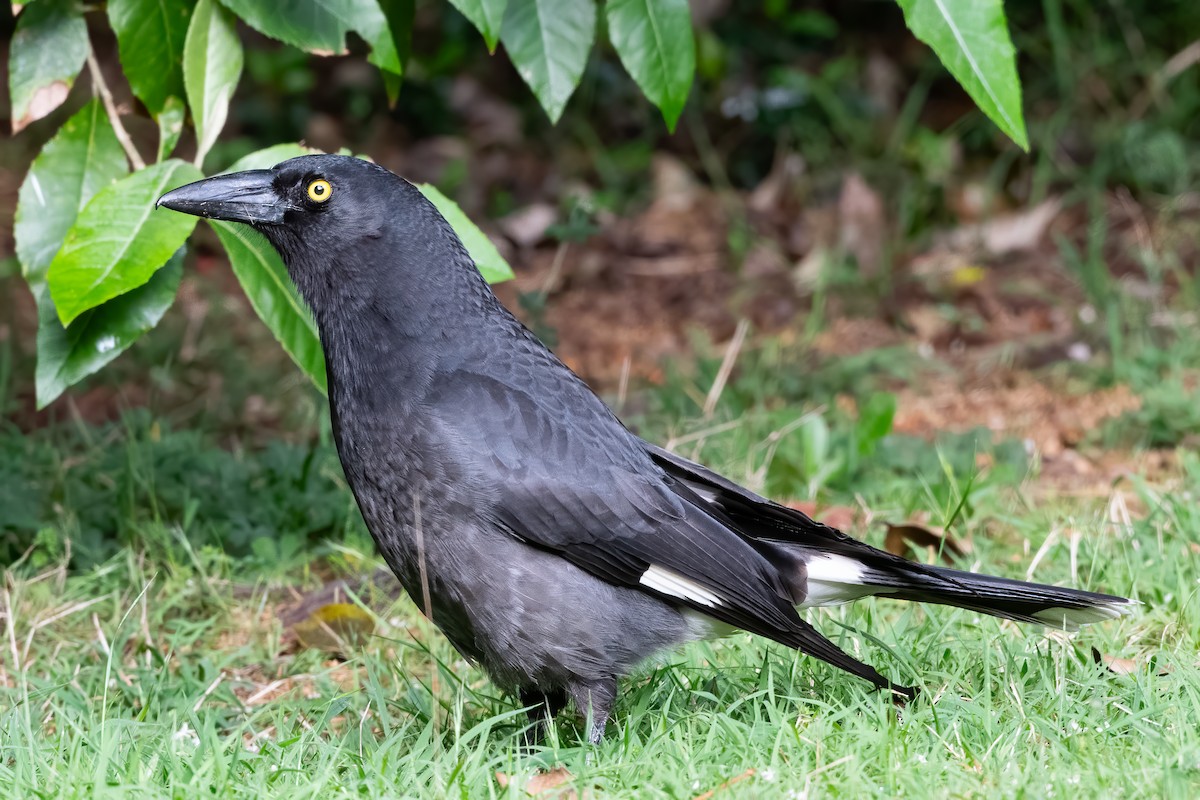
(826, 170)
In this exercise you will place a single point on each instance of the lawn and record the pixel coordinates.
(802, 297)
(171, 662)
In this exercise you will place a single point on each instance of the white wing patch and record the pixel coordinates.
(834, 579)
(828, 568)
(661, 579)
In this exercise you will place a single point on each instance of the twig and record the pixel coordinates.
(623, 384)
(426, 600)
(735, 779)
(212, 687)
(111, 108)
(552, 277)
(731, 354)
(1176, 64)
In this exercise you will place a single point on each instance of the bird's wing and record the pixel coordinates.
(760, 519)
(561, 473)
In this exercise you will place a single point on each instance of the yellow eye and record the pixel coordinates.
(319, 190)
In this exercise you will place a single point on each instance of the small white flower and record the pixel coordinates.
(767, 775)
(185, 735)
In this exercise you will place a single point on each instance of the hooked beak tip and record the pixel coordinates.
(235, 197)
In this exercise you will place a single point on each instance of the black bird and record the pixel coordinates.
(550, 544)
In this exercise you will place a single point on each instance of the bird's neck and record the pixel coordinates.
(385, 333)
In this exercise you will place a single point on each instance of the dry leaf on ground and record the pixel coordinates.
(902, 539)
(335, 627)
(735, 779)
(861, 223)
(1007, 233)
(543, 782)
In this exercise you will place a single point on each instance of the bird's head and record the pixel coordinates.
(310, 202)
(344, 226)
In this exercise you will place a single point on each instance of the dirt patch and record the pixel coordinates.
(1016, 405)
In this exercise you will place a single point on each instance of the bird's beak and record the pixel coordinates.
(238, 197)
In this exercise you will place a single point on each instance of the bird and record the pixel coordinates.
(549, 543)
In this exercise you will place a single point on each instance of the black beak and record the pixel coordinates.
(238, 197)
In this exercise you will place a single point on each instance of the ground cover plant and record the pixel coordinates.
(836, 282)
(166, 665)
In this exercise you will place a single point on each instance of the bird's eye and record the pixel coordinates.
(319, 190)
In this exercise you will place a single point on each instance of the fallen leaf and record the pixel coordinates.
(736, 779)
(1007, 233)
(1117, 666)
(543, 782)
(806, 507)
(527, 226)
(901, 539)
(840, 517)
(675, 187)
(552, 779)
(771, 190)
(967, 275)
(335, 627)
(861, 224)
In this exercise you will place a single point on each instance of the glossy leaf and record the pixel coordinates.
(971, 39)
(265, 280)
(320, 26)
(118, 242)
(487, 258)
(549, 42)
(273, 296)
(399, 15)
(170, 126)
(150, 38)
(212, 65)
(486, 15)
(269, 157)
(82, 158)
(654, 41)
(98, 335)
(45, 55)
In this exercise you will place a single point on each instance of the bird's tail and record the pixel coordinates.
(833, 579)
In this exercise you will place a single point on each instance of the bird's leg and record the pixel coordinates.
(594, 700)
(543, 706)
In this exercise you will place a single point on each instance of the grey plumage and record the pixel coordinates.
(557, 548)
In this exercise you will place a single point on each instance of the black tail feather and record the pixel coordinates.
(1038, 603)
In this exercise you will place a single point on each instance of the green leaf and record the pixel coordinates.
(265, 280)
(320, 26)
(486, 15)
(654, 41)
(875, 420)
(271, 292)
(971, 39)
(98, 335)
(399, 15)
(212, 65)
(487, 258)
(150, 38)
(548, 42)
(82, 158)
(47, 51)
(170, 126)
(269, 157)
(118, 241)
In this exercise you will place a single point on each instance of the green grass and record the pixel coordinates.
(153, 673)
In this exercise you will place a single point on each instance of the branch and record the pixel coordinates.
(109, 106)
